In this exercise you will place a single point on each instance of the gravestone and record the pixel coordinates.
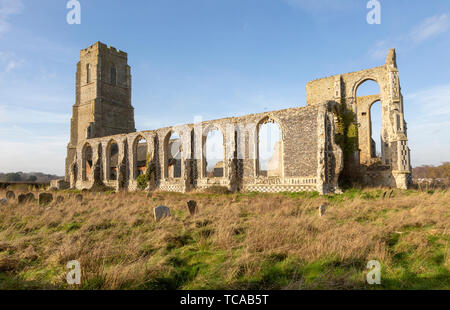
(10, 195)
(391, 194)
(161, 212)
(79, 197)
(322, 210)
(45, 198)
(25, 198)
(21, 198)
(31, 197)
(192, 206)
(149, 195)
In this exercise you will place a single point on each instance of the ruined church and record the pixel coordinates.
(322, 145)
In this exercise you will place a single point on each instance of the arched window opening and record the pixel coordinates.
(368, 101)
(142, 156)
(173, 154)
(113, 75)
(87, 163)
(368, 88)
(88, 73)
(214, 155)
(375, 128)
(113, 162)
(270, 160)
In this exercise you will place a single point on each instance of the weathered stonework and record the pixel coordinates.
(104, 145)
(393, 167)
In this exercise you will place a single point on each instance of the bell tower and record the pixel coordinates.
(103, 97)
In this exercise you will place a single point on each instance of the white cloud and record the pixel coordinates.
(9, 61)
(380, 50)
(429, 124)
(43, 154)
(430, 27)
(8, 8)
(434, 101)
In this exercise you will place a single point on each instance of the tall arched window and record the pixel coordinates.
(270, 160)
(214, 154)
(373, 133)
(142, 157)
(113, 160)
(87, 162)
(172, 147)
(375, 129)
(113, 75)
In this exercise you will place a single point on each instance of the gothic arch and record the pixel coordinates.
(112, 160)
(138, 168)
(206, 131)
(171, 159)
(361, 81)
(280, 161)
(87, 162)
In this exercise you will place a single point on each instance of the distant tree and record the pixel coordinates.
(433, 172)
(13, 177)
(32, 178)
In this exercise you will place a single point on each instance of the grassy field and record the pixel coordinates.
(237, 241)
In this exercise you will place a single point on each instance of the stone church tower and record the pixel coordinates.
(103, 97)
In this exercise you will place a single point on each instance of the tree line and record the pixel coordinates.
(433, 172)
(27, 177)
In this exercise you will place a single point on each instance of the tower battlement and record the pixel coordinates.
(101, 47)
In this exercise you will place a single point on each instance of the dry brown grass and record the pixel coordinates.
(236, 241)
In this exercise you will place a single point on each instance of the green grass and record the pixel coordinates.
(186, 252)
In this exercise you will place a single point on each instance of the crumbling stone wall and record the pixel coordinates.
(310, 158)
(393, 167)
(300, 160)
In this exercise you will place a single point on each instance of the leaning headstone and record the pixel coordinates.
(192, 206)
(322, 209)
(161, 212)
(384, 195)
(391, 194)
(10, 195)
(45, 198)
(3, 201)
(79, 197)
(60, 199)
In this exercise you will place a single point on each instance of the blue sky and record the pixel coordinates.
(214, 58)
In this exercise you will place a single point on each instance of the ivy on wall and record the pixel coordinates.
(347, 136)
(143, 179)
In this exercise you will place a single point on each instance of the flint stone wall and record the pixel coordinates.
(304, 132)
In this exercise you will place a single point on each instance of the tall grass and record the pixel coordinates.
(237, 241)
